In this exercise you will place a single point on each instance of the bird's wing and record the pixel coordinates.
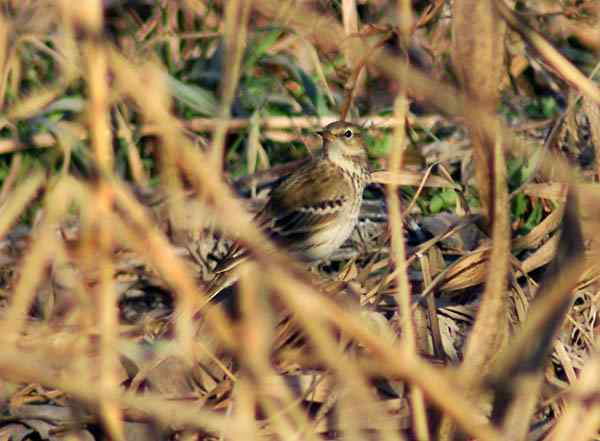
(303, 203)
(309, 201)
(297, 224)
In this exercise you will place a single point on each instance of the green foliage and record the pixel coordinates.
(198, 100)
(379, 146)
(443, 200)
(526, 212)
(520, 205)
(258, 47)
(543, 108)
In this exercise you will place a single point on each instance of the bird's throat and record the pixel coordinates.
(350, 163)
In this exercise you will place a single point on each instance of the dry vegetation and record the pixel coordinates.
(138, 136)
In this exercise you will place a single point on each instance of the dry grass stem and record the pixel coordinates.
(237, 13)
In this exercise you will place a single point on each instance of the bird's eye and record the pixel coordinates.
(348, 133)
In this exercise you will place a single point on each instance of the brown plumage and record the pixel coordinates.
(312, 211)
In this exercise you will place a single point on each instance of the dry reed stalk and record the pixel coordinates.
(536, 236)
(98, 240)
(237, 13)
(355, 65)
(406, 26)
(396, 226)
(592, 111)
(353, 83)
(477, 57)
(31, 105)
(374, 122)
(4, 60)
(436, 337)
(579, 421)
(36, 100)
(170, 24)
(353, 385)
(20, 198)
(405, 177)
(9, 181)
(35, 260)
(135, 161)
(350, 21)
(489, 333)
(255, 152)
(422, 185)
(47, 140)
(403, 290)
(255, 331)
(314, 57)
(257, 328)
(243, 421)
(518, 370)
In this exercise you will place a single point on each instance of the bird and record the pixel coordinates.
(312, 211)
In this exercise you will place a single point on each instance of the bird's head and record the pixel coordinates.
(344, 141)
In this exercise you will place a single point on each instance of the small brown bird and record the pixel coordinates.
(312, 211)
